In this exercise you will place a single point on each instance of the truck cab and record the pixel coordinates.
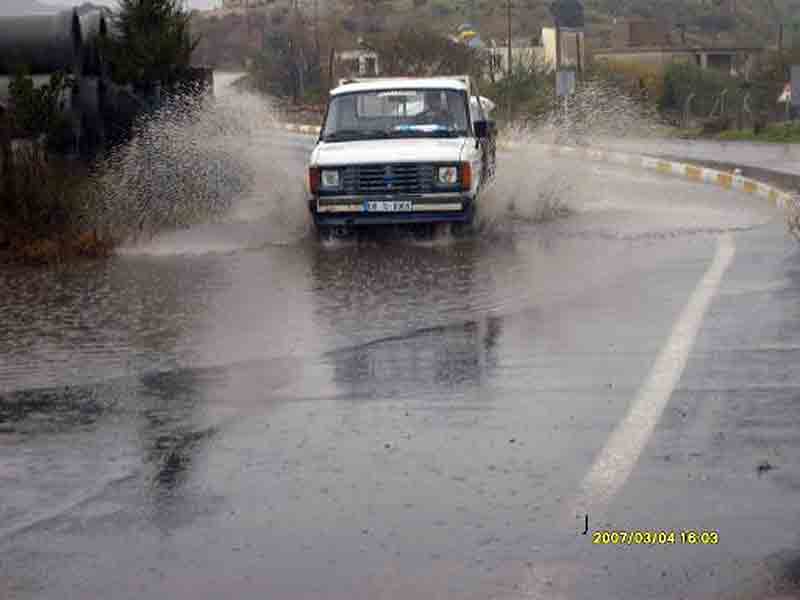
(401, 151)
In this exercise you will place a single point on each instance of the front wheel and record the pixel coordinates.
(324, 233)
(327, 233)
(467, 227)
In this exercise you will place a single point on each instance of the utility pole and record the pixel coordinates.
(557, 28)
(316, 34)
(508, 39)
(509, 66)
(247, 18)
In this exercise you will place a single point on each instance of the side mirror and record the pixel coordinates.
(482, 129)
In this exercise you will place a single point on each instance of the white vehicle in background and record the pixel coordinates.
(401, 151)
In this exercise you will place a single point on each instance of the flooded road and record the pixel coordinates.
(238, 409)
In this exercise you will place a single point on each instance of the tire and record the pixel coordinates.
(325, 233)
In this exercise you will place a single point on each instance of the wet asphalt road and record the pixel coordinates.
(240, 411)
(784, 158)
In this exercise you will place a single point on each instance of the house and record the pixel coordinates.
(728, 60)
(647, 45)
(573, 47)
(636, 33)
(361, 62)
(523, 52)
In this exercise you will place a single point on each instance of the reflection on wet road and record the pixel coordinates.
(398, 419)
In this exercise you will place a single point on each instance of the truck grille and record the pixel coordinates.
(406, 178)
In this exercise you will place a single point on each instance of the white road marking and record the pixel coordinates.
(615, 462)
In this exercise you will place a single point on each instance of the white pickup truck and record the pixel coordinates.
(401, 151)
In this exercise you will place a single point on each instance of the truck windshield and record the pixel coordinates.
(396, 113)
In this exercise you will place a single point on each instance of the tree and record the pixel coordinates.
(288, 64)
(39, 110)
(423, 52)
(367, 16)
(152, 42)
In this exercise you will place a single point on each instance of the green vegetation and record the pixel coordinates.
(40, 111)
(530, 90)
(779, 133)
(794, 222)
(48, 199)
(45, 196)
(709, 102)
(154, 43)
(286, 68)
(711, 91)
(422, 51)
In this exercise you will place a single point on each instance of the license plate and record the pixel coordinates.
(387, 206)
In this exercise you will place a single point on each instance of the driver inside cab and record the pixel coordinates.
(436, 110)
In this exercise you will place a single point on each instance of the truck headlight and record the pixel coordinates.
(447, 175)
(330, 179)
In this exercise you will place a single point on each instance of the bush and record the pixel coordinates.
(40, 111)
(47, 202)
(287, 67)
(708, 85)
(715, 125)
(153, 43)
(644, 81)
(780, 133)
(423, 52)
(530, 88)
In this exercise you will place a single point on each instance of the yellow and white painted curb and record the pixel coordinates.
(294, 127)
(731, 181)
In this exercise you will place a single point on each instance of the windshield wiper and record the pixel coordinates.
(449, 133)
(356, 134)
(428, 133)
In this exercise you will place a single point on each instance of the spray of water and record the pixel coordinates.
(222, 160)
(197, 161)
(533, 186)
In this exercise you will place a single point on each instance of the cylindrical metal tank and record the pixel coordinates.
(93, 26)
(48, 43)
(40, 43)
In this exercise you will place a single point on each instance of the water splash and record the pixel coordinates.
(192, 162)
(225, 161)
(533, 186)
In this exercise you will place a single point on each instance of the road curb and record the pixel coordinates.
(778, 197)
(297, 128)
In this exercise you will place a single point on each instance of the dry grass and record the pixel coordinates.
(45, 205)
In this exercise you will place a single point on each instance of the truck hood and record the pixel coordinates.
(388, 151)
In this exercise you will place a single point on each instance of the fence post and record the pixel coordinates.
(6, 157)
(687, 108)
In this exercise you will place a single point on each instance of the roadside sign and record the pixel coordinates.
(565, 83)
(795, 89)
(567, 13)
(786, 95)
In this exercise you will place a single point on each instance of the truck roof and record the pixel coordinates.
(401, 83)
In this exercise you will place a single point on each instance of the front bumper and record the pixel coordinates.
(351, 211)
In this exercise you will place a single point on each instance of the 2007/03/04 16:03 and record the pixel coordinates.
(663, 537)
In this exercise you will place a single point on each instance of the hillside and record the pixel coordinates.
(11, 8)
(229, 39)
